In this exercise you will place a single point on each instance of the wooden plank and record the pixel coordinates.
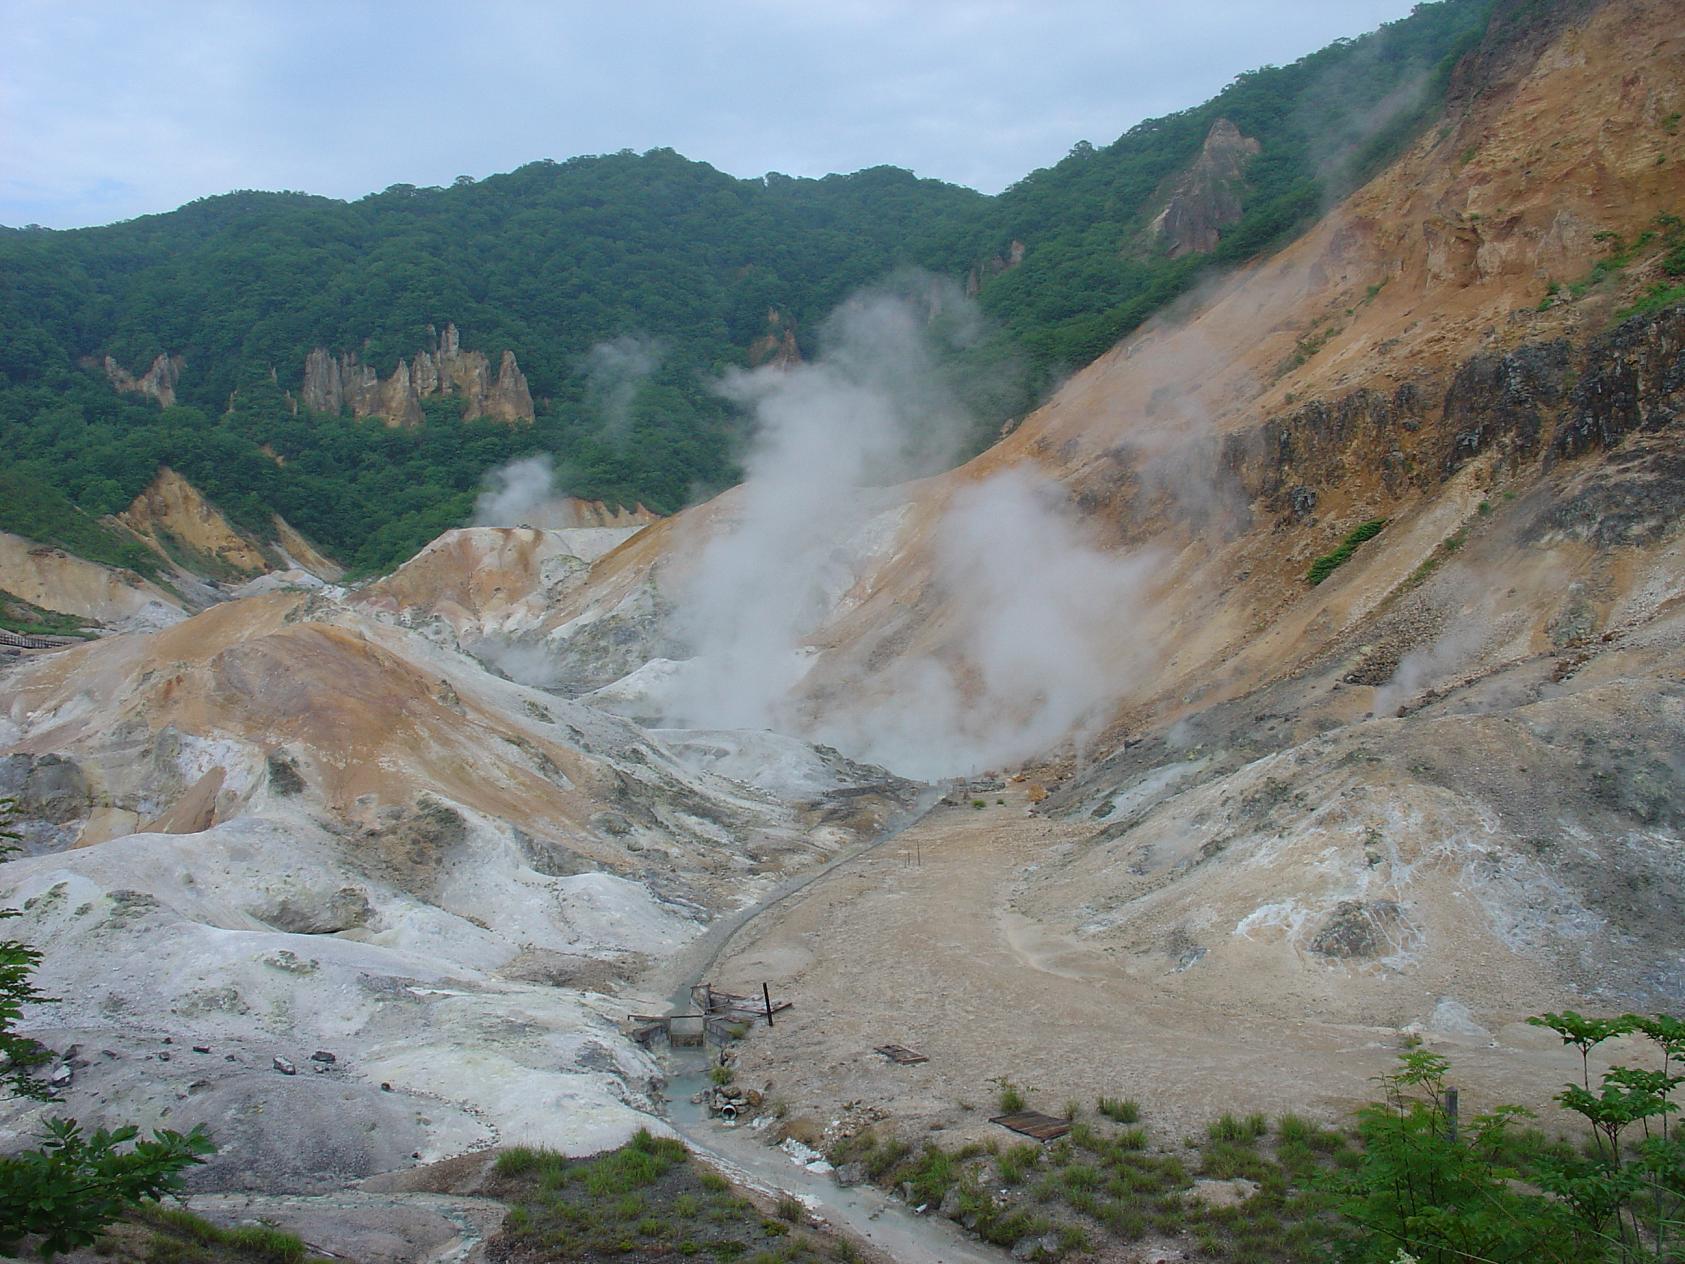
(745, 1013)
(1032, 1123)
(901, 1055)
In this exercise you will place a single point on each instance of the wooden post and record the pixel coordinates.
(766, 995)
(1451, 1114)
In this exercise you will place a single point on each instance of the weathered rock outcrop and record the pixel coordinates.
(993, 267)
(186, 528)
(1206, 197)
(334, 382)
(509, 399)
(158, 382)
(55, 580)
(777, 346)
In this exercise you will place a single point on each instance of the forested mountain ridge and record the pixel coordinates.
(624, 285)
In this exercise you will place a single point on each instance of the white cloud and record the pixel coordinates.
(109, 111)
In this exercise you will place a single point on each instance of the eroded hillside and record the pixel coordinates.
(1445, 780)
(451, 825)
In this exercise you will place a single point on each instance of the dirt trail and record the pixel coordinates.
(933, 956)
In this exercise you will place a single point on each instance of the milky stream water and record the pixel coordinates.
(863, 1210)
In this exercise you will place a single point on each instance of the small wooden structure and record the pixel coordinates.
(1032, 1123)
(734, 1008)
(680, 1029)
(901, 1055)
(10, 640)
(714, 1013)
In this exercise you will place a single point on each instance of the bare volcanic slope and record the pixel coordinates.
(289, 825)
(201, 558)
(1437, 791)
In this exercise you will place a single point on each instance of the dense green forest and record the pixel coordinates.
(557, 257)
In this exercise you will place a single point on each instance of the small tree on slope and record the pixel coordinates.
(68, 1190)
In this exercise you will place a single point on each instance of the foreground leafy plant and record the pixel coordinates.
(1632, 1194)
(1496, 1196)
(1443, 1198)
(19, 1055)
(74, 1185)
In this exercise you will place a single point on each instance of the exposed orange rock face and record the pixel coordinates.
(575, 512)
(1357, 371)
(183, 526)
(55, 580)
(305, 553)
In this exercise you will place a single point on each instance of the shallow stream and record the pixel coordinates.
(864, 1211)
(740, 1150)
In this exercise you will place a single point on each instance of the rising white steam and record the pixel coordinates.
(872, 410)
(614, 370)
(1037, 618)
(521, 493)
(1043, 636)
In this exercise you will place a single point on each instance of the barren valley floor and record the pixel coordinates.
(919, 944)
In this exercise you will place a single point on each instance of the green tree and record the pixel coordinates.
(19, 1055)
(1440, 1197)
(1494, 1194)
(64, 1193)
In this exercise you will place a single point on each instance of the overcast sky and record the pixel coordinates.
(110, 110)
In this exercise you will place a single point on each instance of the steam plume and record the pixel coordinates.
(871, 410)
(614, 370)
(1038, 615)
(517, 494)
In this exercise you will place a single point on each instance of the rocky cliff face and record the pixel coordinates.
(188, 530)
(158, 382)
(331, 383)
(1206, 198)
(993, 266)
(777, 346)
(55, 580)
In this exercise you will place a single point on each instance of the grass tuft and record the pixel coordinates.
(1125, 1110)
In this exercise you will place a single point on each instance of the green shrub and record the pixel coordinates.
(883, 1159)
(1228, 1128)
(75, 1184)
(1295, 1128)
(1010, 1097)
(1654, 299)
(1328, 563)
(1016, 1161)
(1131, 1139)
